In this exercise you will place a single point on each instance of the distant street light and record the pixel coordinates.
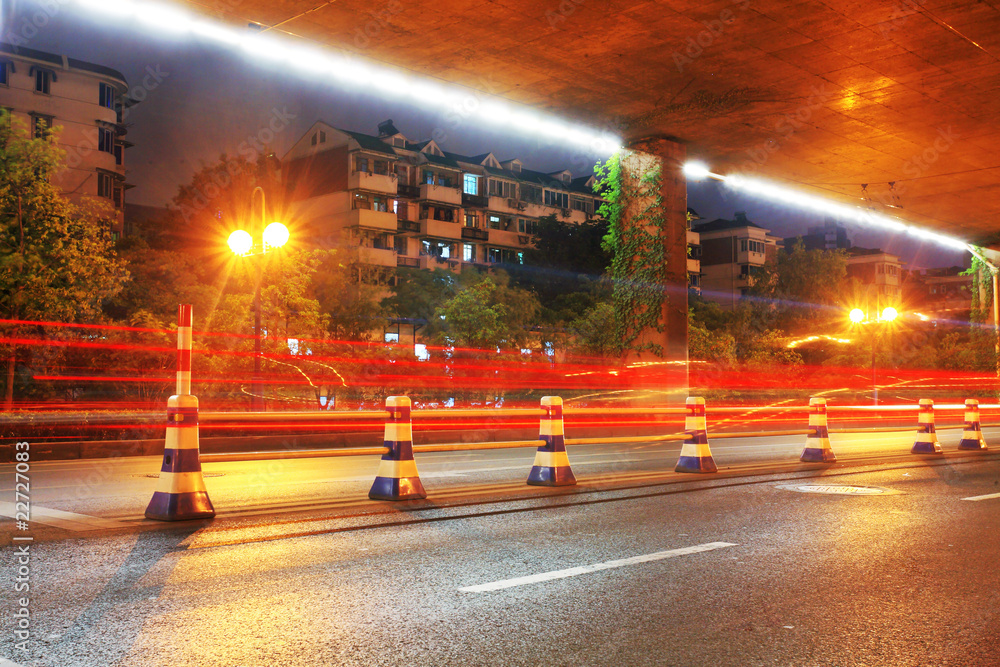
(876, 326)
(244, 244)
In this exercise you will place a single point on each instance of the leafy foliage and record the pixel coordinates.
(638, 267)
(57, 259)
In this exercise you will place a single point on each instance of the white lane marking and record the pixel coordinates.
(597, 567)
(986, 497)
(61, 519)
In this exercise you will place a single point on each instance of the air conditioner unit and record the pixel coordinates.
(565, 212)
(511, 202)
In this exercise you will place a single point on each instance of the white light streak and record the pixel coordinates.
(162, 17)
(775, 192)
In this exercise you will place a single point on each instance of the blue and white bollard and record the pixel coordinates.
(927, 441)
(818, 449)
(551, 466)
(972, 434)
(397, 477)
(696, 456)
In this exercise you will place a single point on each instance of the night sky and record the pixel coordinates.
(203, 101)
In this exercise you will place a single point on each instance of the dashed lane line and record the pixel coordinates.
(597, 567)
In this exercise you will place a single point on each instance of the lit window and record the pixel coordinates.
(468, 252)
(106, 96)
(470, 184)
(494, 255)
(471, 220)
(494, 222)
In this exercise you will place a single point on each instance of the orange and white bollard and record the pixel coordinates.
(397, 477)
(927, 441)
(180, 493)
(818, 449)
(972, 434)
(551, 466)
(696, 455)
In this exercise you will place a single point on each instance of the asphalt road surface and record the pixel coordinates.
(884, 558)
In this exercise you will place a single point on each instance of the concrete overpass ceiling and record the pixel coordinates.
(830, 95)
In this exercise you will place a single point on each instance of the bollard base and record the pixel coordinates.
(180, 506)
(543, 476)
(696, 464)
(817, 455)
(397, 488)
(973, 444)
(927, 448)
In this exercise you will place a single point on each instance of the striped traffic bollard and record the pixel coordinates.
(551, 466)
(180, 493)
(927, 441)
(696, 456)
(397, 477)
(972, 434)
(818, 448)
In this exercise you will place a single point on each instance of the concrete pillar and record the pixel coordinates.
(639, 158)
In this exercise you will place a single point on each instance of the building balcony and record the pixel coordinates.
(430, 262)
(506, 238)
(475, 201)
(408, 191)
(362, 180)
(693, 266)
(441, 193)
(475, 234)
(440, 229)
(377, 256)
(407, 226)
(411, 262)
(506, 204)
(369, 219)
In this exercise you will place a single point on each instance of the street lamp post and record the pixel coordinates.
(244, 244)
(882, 319)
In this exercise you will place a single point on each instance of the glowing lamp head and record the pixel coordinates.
(696, 171)
(857, 316)
(240, 242)
(889, 314)
(275, 235)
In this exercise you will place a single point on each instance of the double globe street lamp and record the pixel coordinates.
(245, 244)
(882, 321)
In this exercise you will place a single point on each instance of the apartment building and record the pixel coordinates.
(86, 101)
(412, 204)
(881, 273)
(732, 251)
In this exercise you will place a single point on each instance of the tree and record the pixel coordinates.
(57, 260)
(564, 267)
(801, 287)
(488, 315)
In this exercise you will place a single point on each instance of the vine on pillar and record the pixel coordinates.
(636, 225)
